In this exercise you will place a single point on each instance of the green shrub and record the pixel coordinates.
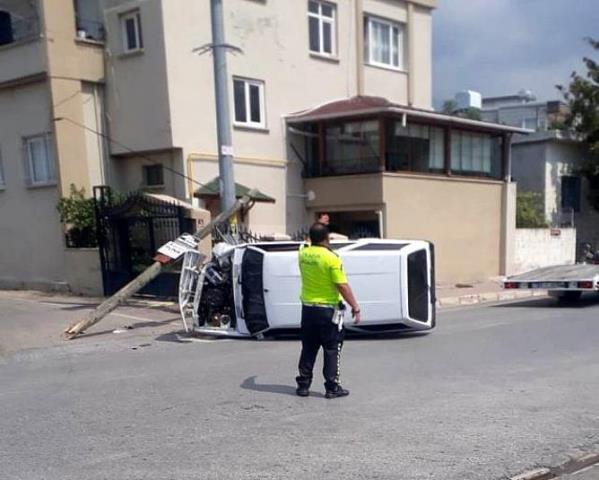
(529, 212)
(78, 215)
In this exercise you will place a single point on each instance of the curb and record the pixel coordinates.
(537, 474)
(475, 299)
(570, 466)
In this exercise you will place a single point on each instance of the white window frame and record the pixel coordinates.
(51, 166)
(134, 15)
(401, 53)
(322, 19)
(249, 123)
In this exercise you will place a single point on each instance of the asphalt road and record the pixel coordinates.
(493, 391)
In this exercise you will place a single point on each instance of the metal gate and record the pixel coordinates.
(130, 230)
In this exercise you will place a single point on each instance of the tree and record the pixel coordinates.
(582, 97)
(529, 213)
(450, 107)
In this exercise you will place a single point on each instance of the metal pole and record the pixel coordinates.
(223, 122)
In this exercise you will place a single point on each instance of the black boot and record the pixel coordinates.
(302, 391)
(303, 386)
(337, 392)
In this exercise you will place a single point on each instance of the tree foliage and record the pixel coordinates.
(78, 215)
(582, 97)
(76, 210)
(450, 107)
(529, 213)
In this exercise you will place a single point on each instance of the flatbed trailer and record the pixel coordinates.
(566, 282)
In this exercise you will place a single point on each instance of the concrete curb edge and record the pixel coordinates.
(489, 297)
(570, 466)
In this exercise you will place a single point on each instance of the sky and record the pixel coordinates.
(498, 47)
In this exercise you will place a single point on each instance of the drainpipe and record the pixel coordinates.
(359, 13)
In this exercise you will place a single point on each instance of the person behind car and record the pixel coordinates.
(324, 286)
(324, 218)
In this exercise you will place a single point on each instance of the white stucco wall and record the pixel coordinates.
(537, 247)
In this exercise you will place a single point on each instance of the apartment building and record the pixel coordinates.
(293, 55)
(294, 61)
(331, 110)
(51, 70)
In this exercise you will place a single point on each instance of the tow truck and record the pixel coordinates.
(567, 283)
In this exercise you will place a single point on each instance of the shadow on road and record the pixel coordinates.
(134, 326)
(250, 384)
(590, 300)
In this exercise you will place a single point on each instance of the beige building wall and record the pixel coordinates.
(128, 172)
(420, 45)
(463, 218)
(24, 60)
(163, 97)
(49, 84)
(268, 177)
(137, 93)
(32, 252)
(71, 62)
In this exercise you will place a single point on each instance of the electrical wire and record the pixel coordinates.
(125, 147)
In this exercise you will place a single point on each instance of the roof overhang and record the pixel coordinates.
(211, 190)
(325, 112)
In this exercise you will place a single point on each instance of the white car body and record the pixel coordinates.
(393, 281)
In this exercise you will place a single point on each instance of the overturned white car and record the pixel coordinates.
(252, 289)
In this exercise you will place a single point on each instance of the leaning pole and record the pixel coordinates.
(150, 273)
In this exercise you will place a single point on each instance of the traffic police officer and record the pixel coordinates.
(324, 286)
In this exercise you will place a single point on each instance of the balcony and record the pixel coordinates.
(369, 135)
(21, 52)
(88, 21)
(15, 28)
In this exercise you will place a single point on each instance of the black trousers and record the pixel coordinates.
(318, 330)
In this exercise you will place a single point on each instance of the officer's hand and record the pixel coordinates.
(357, 317)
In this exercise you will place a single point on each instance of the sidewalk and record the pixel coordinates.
(481, 292)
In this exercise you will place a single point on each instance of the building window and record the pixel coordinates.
(131, 28)
(571, 193)
(153, 175)
(249, 102)
(39, 161)
(384, 43)
(414, 147)
(321, 26)
(475, 154)
(352, 147)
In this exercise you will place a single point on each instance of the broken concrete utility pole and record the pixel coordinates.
(151, 272)
(221, 92)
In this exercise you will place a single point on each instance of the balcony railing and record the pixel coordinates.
(90, 29)
(18, 29)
